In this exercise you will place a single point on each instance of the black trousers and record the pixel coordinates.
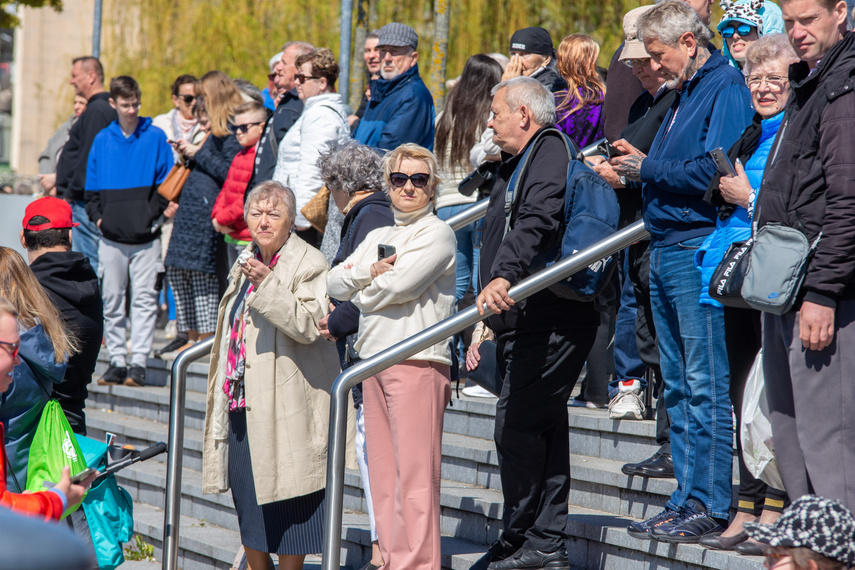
(645, 336)
(540, 369)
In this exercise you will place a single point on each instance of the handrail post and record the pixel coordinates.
(420, 341)
(175, 458)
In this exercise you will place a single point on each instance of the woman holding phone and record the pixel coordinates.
(398, 296)
(766, 66)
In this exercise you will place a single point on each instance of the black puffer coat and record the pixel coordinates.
(193, 244)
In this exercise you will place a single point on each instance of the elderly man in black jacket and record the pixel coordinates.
(542, 341)
(808, 361)
(87, 77)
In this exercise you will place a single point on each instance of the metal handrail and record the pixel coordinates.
(419, 342)
(175, 459)
(177, 397)
(469, 215)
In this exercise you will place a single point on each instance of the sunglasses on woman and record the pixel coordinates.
(188, 98)
(742, 29)
(399, 179)
(16, 346)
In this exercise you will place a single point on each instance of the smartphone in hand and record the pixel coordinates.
(723, 163)
(82, 476)
(384, 251)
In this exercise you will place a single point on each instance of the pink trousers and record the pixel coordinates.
(404, 407)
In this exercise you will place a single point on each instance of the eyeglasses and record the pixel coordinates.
(244, 127)
(642, 61)
(271, 76)
(16, 346)
(776, 82)
(773, 560)
(399, 179)
(303, 78)
(129, 106)
(742, 29)
(188, 99)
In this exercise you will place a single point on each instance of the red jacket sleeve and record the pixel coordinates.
(42, 503)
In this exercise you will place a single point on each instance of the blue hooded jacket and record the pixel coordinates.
(712, 110)
(737, 226)
(400, 111)
(21, 406)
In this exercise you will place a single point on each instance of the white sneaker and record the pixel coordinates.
(477, 391)
(627, 404)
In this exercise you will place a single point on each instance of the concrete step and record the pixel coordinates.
(159, 371)
(149, 402)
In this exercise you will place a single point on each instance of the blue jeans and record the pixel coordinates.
(628, 364)
(86, 237)
(467, 255)
(694, 365)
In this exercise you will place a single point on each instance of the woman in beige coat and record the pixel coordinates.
(267, 416)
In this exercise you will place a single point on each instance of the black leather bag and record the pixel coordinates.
(726, 282)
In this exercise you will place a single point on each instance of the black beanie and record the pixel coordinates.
(532, 40)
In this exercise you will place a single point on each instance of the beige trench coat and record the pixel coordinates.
(290, 370)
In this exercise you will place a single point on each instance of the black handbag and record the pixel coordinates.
(726, 282)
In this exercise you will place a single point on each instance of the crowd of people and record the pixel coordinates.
(308, 236)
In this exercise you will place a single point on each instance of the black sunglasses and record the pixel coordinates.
(399, 179)
(244, 127)
(303, 78)
(742, 29)
(16, 346)
(188, 98)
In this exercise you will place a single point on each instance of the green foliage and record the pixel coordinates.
(139, 550)
(8, 20)
(157, 40)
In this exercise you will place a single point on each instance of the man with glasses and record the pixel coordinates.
(128, 161)
(808, 186)
(289, 107)
(87, 78)
(401, 107)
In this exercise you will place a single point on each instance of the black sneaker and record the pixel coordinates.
(643, 529)
(692, 524)
(172, 346)
(499, 550)
(136, 376)
(530, 559)
(114, 376)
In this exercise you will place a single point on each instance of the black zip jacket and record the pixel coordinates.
(71, 168)
(645, 117)
(536, 225)
(808, 181)
(70, 281)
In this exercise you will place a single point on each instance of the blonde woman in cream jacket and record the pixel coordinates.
(399, 296)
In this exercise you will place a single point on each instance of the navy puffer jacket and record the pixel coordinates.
(193, 244)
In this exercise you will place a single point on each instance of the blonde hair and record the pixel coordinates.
(411, 151)
(577, 64)
(7, 308)
(221, 99)
(19, 285)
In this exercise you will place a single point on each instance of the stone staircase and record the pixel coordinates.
(602, 500)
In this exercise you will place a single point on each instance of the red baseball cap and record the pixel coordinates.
(57, 211)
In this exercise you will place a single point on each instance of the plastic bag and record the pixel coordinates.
(54, 446)
(758, 448)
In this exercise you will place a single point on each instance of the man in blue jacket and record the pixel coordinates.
(713, 107)
(128, 161)
(401, 107)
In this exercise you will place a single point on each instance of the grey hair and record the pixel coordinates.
(302, 48)
(351, 167)
(270, 189)
(248, 90)
(771, 47)
(373, 35)
(669, 20)
(531, 93)
(7, 308)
